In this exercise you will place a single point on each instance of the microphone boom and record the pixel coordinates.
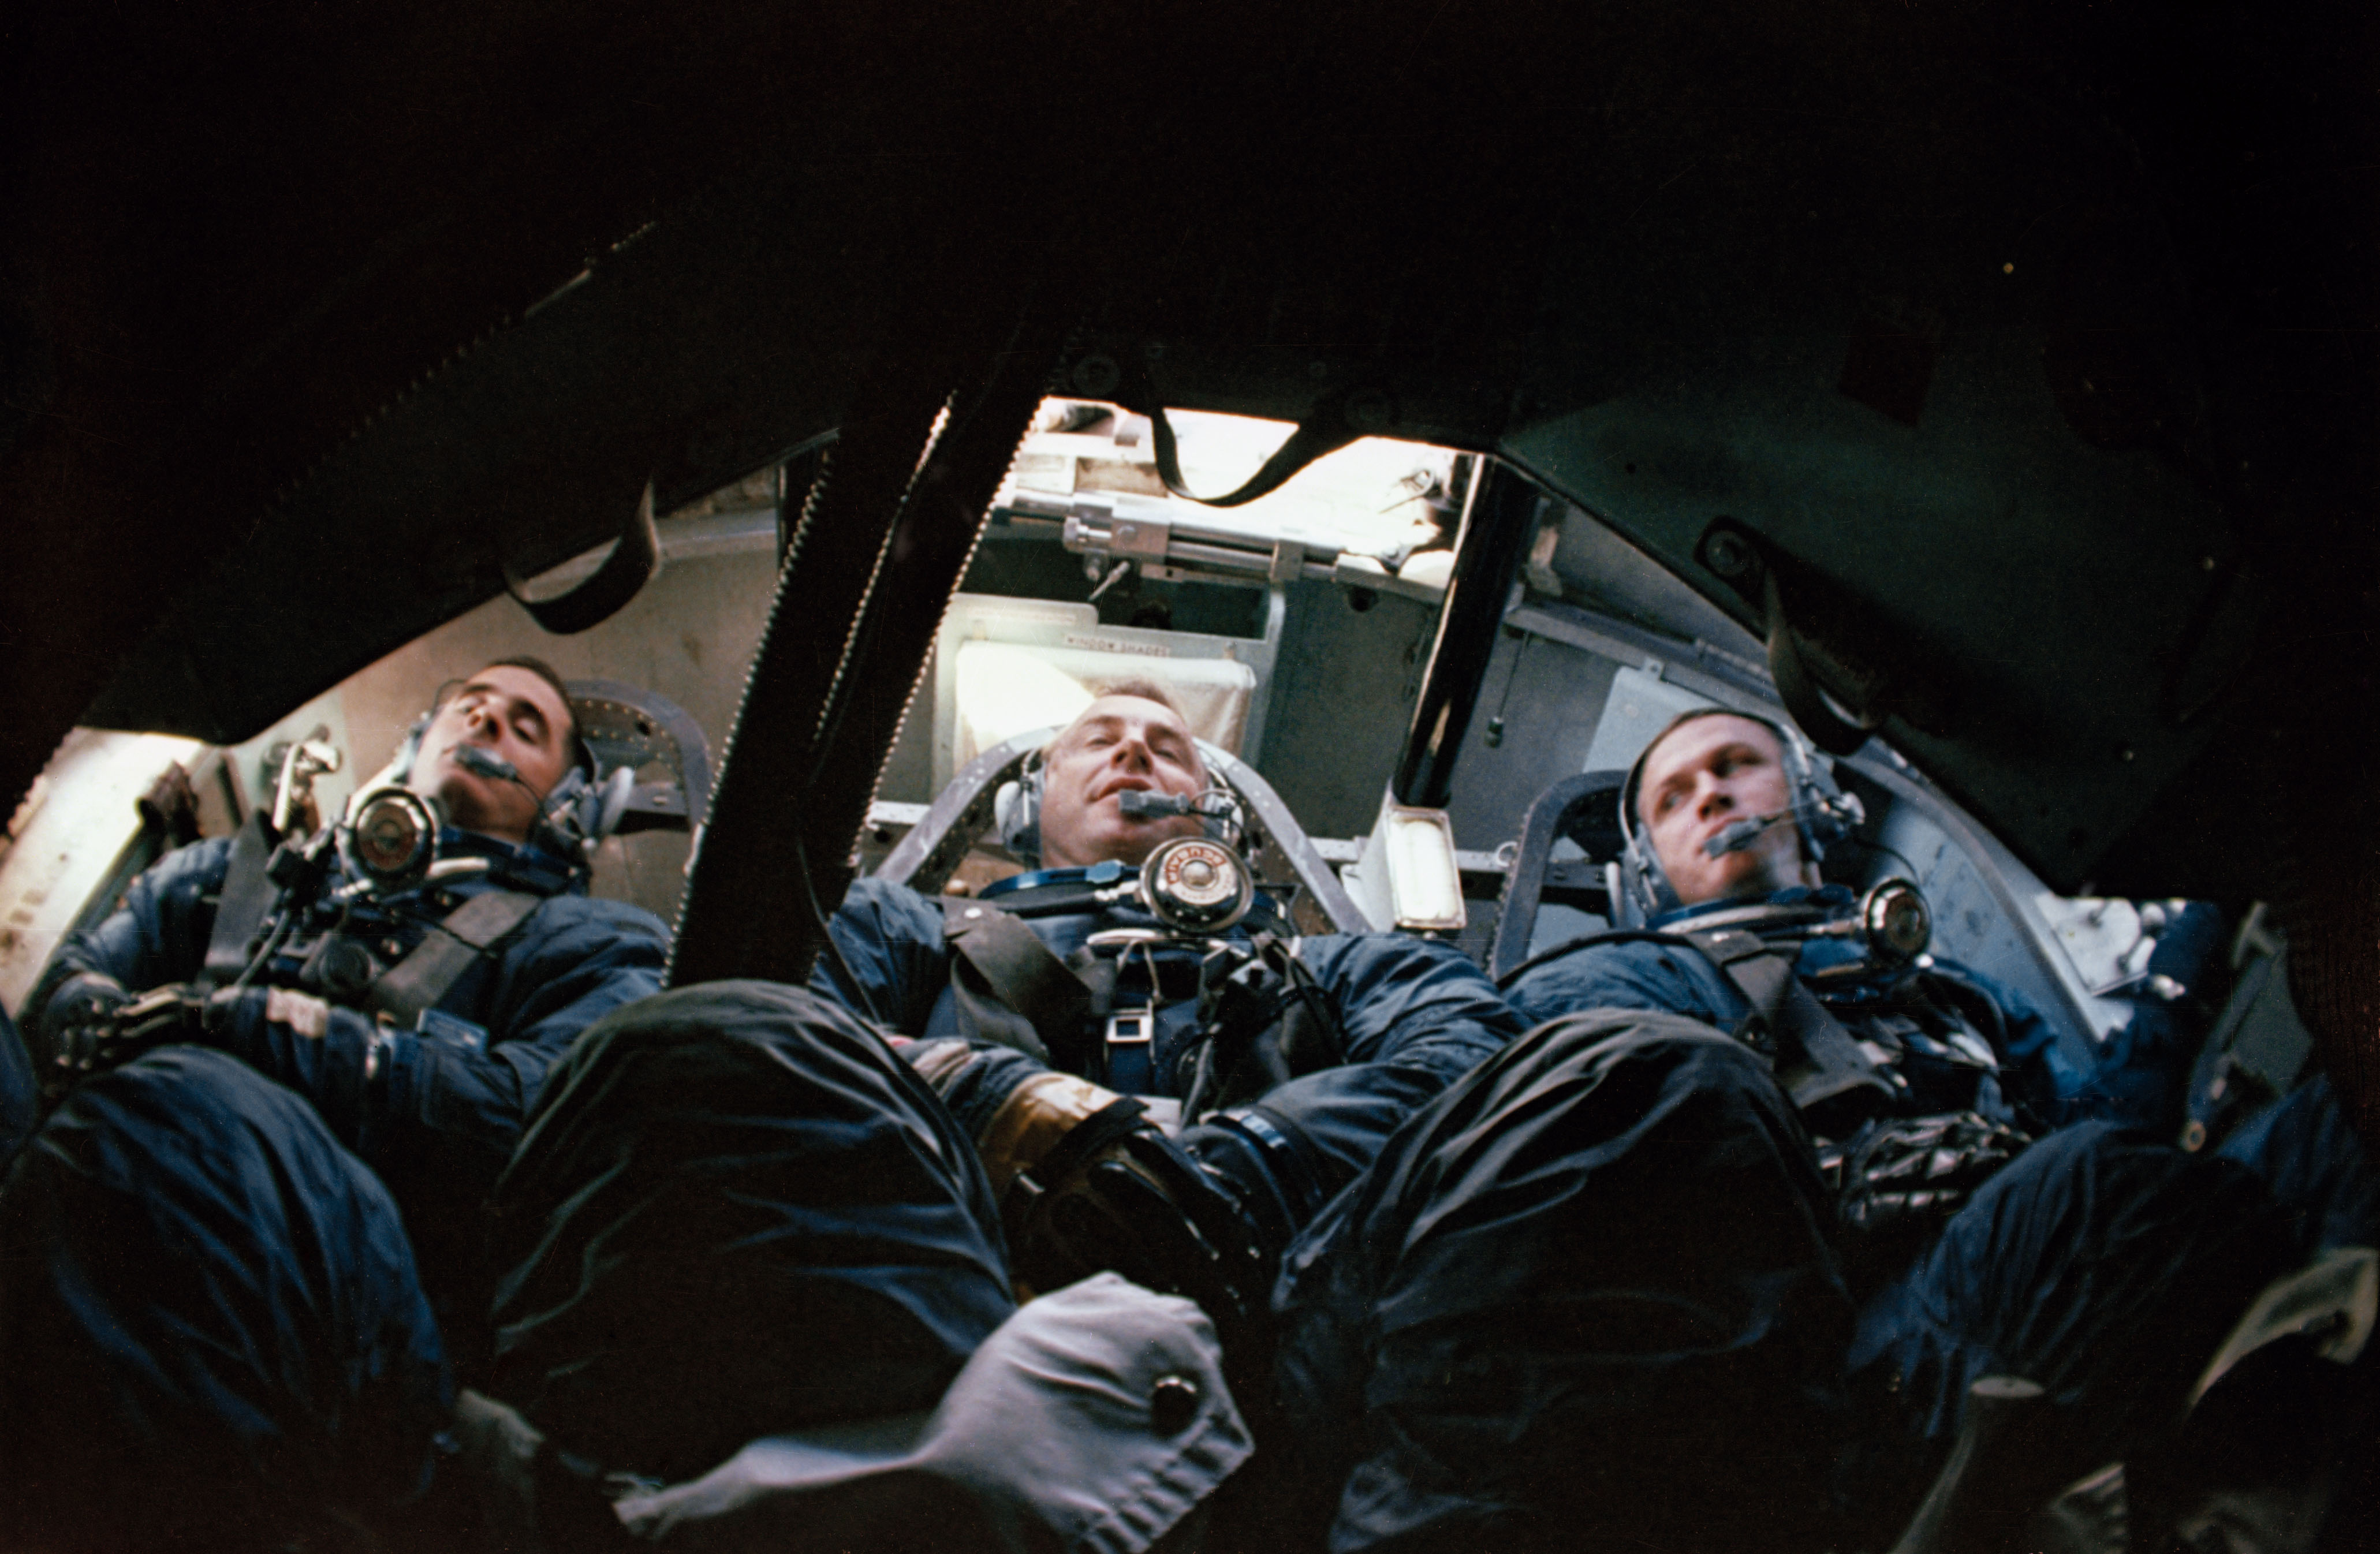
(1737, 836)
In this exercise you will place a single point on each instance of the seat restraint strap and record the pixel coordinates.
(1817, 1059)
(240, 910)
(418, 982)
(1011, 989)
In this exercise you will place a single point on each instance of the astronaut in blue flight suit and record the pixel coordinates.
(301, 1152)
(1395, 1019)
(1644, 1334)
(738, 1212)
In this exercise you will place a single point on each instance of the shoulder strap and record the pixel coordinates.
(1010, 988)
(418, 982)
(1817, 1059)
(241, 905)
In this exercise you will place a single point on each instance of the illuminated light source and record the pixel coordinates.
(1413, 880)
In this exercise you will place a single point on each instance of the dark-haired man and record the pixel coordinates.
(519, 709)
(326, 1004)
(377, 1026)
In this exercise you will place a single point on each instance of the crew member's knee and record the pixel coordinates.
(1620, 1044)
(767, 1039)
(190, 1085)
(209, 1296)
(190, 1113)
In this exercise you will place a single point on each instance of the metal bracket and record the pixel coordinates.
(925, 858)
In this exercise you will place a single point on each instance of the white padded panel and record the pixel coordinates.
(1006, 666)
(1005, 688)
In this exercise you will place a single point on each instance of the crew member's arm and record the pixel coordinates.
(1629, 974)
(159, 935)
(891, 938)
(392, 1094)
(1415, 1016)
(891, 941)
(2139, 1076)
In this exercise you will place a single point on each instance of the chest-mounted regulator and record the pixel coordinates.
(389, 845)
(1196, 885)
(1895, 924)
(391, 841)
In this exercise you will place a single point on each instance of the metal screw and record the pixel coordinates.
(1725, 553)
(1172, 1404)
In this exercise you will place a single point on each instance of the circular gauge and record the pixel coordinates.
(1195, 885)
(1898, 922)
(394, 838)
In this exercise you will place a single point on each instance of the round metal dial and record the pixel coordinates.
(1195, 885)
(395, 837)
(1898, 923)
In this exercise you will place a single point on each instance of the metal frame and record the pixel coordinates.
(925, 858)
(650, 727)
(1500, 515)
(1548, 819)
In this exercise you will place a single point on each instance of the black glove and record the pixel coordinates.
(84, 999)
(1905, 1175)
(1116, 1195)
(102, 1032)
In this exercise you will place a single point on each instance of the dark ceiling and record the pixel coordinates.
(2028, 350)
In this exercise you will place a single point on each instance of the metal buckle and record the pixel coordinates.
(1123, 939)
(1136, 1027)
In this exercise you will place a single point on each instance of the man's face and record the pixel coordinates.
(1705, 775)
(1119, 744)
(512, 714)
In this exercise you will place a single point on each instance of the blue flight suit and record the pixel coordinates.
(2314, 1166)
(737, 1214)
(216, 1337)
(1493, 1334)
(2137, 1080)
(236, 1274)
(1413, 1015)
(2097, 1263)
(1584, 1299)
(433, 1111)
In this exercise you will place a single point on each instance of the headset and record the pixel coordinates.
(1822, 813)
(1016, 810)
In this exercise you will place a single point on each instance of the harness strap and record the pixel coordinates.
(240, 909)
(1010, 988)
(1829, 1062)
(418, 982)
